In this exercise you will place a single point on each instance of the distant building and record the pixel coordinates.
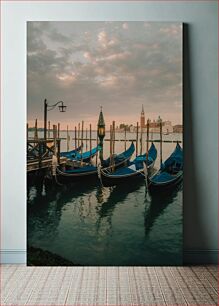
(167, 127)
(154, 126)
(142, 118)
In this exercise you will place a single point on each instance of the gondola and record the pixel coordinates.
(88, 171)
(170, 172)
(134, 170)
(75, 155)
(70, 154)
(72, 175)
(119, 160)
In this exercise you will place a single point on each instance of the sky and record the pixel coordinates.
(117, 65)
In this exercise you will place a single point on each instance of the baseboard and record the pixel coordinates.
(190, 257)
(13, 256)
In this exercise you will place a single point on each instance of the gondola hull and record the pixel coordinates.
(108, 179)
(74, 155)
(120, 160)
(111, 180)
(170, 173)
(64, 178)
(131, 172)
(88, 172)
(168, 185)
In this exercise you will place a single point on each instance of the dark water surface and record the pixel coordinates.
(94, 225)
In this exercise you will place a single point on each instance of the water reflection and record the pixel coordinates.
(46, 204)
(75, 220)
(157, 205)
(115, 196)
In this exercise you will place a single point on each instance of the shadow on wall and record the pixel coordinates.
(191, 203)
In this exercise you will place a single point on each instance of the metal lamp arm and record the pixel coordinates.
(51, 107)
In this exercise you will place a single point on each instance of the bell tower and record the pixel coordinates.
(142, 118)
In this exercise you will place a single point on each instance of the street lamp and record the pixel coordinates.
(47, 107)
(101, 131)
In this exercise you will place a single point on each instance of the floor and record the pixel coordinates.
(103, 286)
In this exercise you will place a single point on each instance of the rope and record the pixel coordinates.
(99, 173)
(145, 175)
(54, 168)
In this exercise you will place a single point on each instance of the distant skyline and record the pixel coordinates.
(118, 65)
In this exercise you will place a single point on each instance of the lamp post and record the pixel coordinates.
(101, 132)
(47, 107)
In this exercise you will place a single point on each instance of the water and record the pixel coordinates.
(94, 225)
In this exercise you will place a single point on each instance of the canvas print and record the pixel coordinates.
(104, 143)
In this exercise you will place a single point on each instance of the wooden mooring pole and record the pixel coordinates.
(86, 139)
(27, 131)
(90, 139)
(111, 146)
(125, 137)
(55, 137)
(67, 139)
(79, 134)
(75, 137)
(114, 140)
(82, 135)
(114, 137)
(147, 148)
(35, 131)
(48, 129)
(97, 145)
(141, 140)
(58, 135)
(161, 139)
(137, 140)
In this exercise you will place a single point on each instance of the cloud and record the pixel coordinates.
(104, 65)
(67, 78)
(56, 36)
(34, 40)
(106, 41)
(117, 57)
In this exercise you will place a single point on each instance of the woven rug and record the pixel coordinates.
(108, 286)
